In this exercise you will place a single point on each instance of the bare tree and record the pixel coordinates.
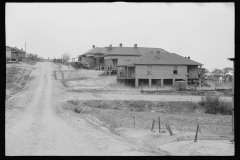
(32, 57)
(65, 57)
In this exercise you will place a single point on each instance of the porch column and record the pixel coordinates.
(136, 82)
(173, 81)
(186, 82)
(161, 82)
(150, 82)
(200, 82)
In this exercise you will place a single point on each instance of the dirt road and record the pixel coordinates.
(33, 127)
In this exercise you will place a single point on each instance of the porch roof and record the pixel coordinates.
(130, 63)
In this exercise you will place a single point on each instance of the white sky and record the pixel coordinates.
(205, 31)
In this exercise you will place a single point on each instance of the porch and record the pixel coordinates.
(125, 72)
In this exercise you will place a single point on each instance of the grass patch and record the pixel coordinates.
(213, 105)
(226, 92)
(179, 115)
(30, 62)
(141, 106)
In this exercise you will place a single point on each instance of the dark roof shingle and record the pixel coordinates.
(165, 58)
(139, 51)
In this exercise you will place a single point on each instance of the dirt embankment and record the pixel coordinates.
(17, 75)
(133, 120)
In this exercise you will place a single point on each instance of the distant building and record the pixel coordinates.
(94, 57)
(14, 54)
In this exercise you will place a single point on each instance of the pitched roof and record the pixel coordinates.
(14, 49)
(139, 51)
(8, 48)
(101, 50)
(165, 58)
(127, 62)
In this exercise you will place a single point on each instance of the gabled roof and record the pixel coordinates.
(166, 59)
(98, 50)
(127, 62)
(8, 48)
(14, 49)
(139, 51)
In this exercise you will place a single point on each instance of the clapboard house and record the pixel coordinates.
(159, 67)
(95, 57)
(14, 54)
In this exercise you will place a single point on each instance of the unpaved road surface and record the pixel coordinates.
(33, 127)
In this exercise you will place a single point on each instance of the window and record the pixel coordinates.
(175, 70)
(149, 69)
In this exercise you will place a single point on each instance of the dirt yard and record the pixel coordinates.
(63, 111)
(102, 104)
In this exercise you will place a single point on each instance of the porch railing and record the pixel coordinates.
(125, 75)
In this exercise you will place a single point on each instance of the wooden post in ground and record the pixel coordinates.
(169, 129)
(153, 125)
(159, 124)
(134, 121)
(195, 140)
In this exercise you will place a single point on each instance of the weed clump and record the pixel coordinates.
(180, 86)
(213, 105)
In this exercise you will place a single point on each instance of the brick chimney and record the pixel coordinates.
(93, 46)
(135, 46)
(158, 54)
(120, 44)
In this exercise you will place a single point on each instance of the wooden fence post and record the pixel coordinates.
(195, 140)
(159, 124)
(152, 124)
(169, 129)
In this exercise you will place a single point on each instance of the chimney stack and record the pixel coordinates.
(110, 47)
(188, 57)
(120, 44)
(135, 45)
(158, 54)
(93, 46)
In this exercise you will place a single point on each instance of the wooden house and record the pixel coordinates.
(158, 67)
(117, 54)
(15, 54)
(94, 57)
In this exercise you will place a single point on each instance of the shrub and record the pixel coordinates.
(75, 102)
(76, 65)
(213, 105)
(180, 86)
